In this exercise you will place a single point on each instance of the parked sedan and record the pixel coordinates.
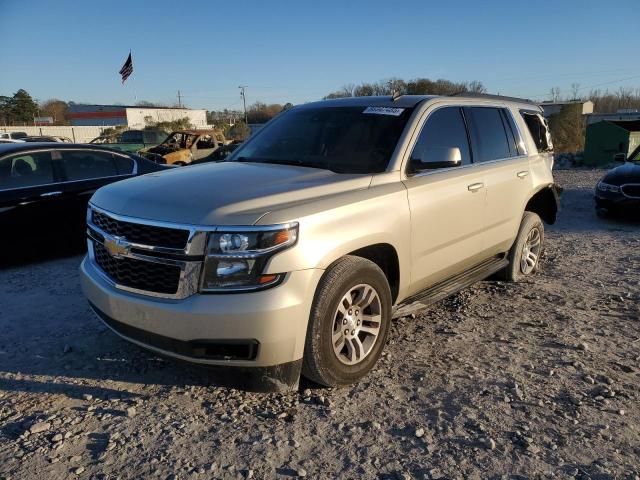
(44, 190)
(619, 190)
(12, 135)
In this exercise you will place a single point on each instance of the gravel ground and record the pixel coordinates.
(539, 379)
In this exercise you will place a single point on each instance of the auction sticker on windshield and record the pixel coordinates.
(394, 111)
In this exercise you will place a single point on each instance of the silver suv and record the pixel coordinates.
(291, 256)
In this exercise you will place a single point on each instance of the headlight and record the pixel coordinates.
(236, 258)
(606, 187)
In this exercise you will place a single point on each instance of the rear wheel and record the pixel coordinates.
(349, 322)
(524, 256)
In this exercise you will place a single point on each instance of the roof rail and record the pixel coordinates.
(494, 97)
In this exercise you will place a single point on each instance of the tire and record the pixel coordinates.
(347, 278)
(515, 271)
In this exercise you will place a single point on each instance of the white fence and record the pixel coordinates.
(76, 134)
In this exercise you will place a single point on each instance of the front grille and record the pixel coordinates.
(139, 233)
(138, 274)
(632, 190)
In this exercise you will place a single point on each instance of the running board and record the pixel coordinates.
(456, 283)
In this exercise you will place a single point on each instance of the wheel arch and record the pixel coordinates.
(386, 257)
(546, 203)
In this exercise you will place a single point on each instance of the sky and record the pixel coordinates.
(299, 51)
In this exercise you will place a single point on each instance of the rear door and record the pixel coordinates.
(447, 204)
(83, 172)
(500, 152)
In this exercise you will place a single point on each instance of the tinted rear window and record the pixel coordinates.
(86, 164)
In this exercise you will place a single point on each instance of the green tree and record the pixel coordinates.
(240, 131)
(170, 126)
(567, 129)
(23, 107)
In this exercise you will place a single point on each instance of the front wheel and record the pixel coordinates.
(349, 322)
(524, 256)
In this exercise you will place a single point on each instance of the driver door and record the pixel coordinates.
(447, 203)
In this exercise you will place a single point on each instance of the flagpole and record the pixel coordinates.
(133, 84)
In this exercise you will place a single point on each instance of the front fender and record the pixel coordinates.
(338, 226)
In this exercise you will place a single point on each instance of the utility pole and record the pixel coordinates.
(179, 99)
(244, 102)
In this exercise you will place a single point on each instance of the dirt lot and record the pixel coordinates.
(533, 380)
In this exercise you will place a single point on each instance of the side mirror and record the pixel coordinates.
(620, 157)
(434, 157)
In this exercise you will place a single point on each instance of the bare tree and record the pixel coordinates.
(554, 93)
(575, 89)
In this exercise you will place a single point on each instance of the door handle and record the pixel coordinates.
(522, 174)
(474, 187)
(51, 194)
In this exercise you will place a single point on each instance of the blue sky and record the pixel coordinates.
(299, 51)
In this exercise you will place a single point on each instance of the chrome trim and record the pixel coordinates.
(196, 241)
(191, 275)
(629, 185)
(65, 182)
(440, 170)
(187, 284)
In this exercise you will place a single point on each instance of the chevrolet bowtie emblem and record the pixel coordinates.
(117, 246)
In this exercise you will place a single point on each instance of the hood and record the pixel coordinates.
(627, 173)
(227, 193)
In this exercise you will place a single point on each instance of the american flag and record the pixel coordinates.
(127, 68)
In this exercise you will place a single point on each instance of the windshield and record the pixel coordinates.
(342, 139)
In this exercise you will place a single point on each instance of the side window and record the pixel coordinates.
(124, 165)
(538, 129)
(515, 141)
(87, 164)
(488, 134)
(30, 170)
(442, 141)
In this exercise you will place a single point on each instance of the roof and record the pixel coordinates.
(403, 101)
(407, 101)
(29, 146)
(629, 125)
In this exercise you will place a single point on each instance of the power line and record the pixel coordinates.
(586, 87)
(244, 102)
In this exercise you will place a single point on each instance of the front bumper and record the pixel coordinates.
(269, 325)
(616, 201)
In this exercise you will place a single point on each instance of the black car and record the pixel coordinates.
(619, 190)
(44, 190)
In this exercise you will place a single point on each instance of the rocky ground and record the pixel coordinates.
(539, 379)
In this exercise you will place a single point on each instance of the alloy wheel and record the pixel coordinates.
(356, 324)
(530, 251)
